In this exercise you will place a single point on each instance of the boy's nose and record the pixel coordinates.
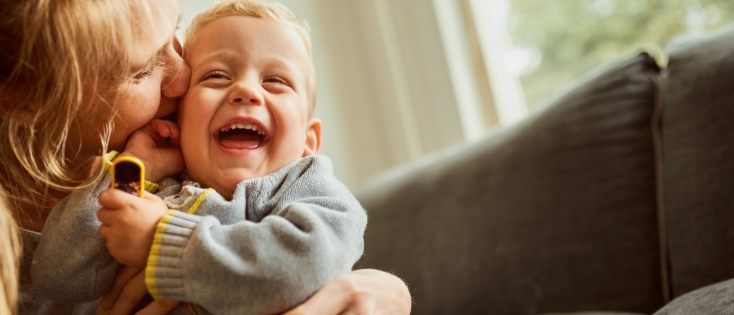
(246, 94)
(252, 101)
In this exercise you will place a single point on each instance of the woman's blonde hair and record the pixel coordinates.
(9, 255)
(258, 9)
(57, 58)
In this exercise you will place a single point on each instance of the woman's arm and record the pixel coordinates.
(360, 292)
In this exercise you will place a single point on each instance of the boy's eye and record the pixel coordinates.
(215, 75)
(278, 80)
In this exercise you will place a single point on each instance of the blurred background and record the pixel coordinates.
(399, 79)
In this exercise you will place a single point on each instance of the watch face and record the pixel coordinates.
(127, 177)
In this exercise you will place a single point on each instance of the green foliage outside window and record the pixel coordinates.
(559, 40)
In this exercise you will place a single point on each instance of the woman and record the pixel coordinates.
(77, 77)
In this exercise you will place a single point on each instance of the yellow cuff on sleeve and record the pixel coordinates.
(153, 257)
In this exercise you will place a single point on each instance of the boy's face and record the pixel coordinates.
(246, 113)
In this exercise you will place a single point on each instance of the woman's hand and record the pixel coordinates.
(360, 292)
(127, 293)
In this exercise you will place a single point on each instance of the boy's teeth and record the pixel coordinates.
(242, 126)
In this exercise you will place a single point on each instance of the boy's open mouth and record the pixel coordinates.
(241, 136)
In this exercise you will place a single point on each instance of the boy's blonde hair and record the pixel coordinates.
(57, 58)
(258, 9)
(9, 256)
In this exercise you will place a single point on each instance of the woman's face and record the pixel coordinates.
(161, 78)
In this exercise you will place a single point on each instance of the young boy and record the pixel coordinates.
(275, 224)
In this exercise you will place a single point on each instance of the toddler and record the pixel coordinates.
(273, 224)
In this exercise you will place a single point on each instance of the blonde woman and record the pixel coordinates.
(77, 77)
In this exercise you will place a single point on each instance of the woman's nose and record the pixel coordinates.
(177, 79)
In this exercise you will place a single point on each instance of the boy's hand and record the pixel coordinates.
(129, 224)
(156, 144)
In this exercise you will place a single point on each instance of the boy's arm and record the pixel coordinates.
(313, 234)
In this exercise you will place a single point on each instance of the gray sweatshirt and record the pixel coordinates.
(279, 239)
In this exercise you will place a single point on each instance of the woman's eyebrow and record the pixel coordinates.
(154, 59)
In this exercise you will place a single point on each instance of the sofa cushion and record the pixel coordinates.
(698, 146)
(555, 214)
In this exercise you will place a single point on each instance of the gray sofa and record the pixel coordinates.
(616, 197)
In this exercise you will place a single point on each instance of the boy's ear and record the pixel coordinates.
(313, 137)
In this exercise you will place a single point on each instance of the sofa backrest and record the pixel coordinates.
(698, 146)
(556, 214)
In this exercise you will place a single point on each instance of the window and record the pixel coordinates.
(554, 42)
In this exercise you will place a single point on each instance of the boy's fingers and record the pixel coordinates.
(108, 217)
(114, 198)
(103, 215)
(117, 204)
(144, 137)
(151, 196)
(152, 201)
(104, 231)
(162, 128)
(158, 307)
(166, 128)
(175, 133)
